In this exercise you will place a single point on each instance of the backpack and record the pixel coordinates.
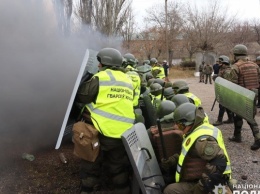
(86, 142)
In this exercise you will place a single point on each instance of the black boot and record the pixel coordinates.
(236, 139)
(217, 123)
(256, 145)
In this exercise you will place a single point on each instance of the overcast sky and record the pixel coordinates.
(246, 9)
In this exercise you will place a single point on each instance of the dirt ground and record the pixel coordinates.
(47, 174)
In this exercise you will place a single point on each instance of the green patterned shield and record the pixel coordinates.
(238, 99)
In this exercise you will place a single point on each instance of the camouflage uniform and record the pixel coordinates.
(201, 72)
(224, 72)
(258, 99)
(204, 164)
(246, 74)
(208, 69)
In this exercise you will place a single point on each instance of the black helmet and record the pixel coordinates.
(179, 85)
(166, 107)
(130, 59)
(185, 114)
(168, 93)
(110, 57)
(179, 99)
(240, 49)
(155, 89)
(258, 58)
(153, 61)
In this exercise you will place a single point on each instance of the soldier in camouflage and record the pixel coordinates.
(224, 72)
(246, 74)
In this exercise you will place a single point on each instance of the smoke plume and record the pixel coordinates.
(39, 67)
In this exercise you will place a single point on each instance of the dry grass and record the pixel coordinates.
(179, 72)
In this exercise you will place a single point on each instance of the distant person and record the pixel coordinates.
(246, 74)
(201, 67)
(208, 69)
(166, 70)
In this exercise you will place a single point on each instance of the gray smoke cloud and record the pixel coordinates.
(39, 67)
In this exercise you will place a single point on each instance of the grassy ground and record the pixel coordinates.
(179, 72)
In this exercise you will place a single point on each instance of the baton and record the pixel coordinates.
(213, 104)
(161, 138)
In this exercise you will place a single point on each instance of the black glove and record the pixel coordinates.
(167, 164)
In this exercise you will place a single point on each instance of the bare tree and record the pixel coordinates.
(64, 10)
(206, 28)
(128, 29)
(256, 30)
(156, 17)
(110, 15)
(84, 11)
(148, 43)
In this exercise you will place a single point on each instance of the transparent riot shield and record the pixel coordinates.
(88, 68)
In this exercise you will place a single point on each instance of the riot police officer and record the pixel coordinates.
(130, 63)
(157, 69)
(246, 74)
(203, 162)
(181, 87)
(224, 72)
(109, 100)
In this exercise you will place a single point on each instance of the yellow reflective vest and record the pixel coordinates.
(136, 83)
(196, 100)
(203, 130)
(161, 74)
(112, 113)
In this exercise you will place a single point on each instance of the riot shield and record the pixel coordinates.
(88, 68)
(238, 99)
(143, 160)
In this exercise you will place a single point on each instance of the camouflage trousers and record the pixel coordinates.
(201, 77)
(238, 123)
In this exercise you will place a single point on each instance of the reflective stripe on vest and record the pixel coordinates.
(196, 100)
(204, 129)
(112, 113)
